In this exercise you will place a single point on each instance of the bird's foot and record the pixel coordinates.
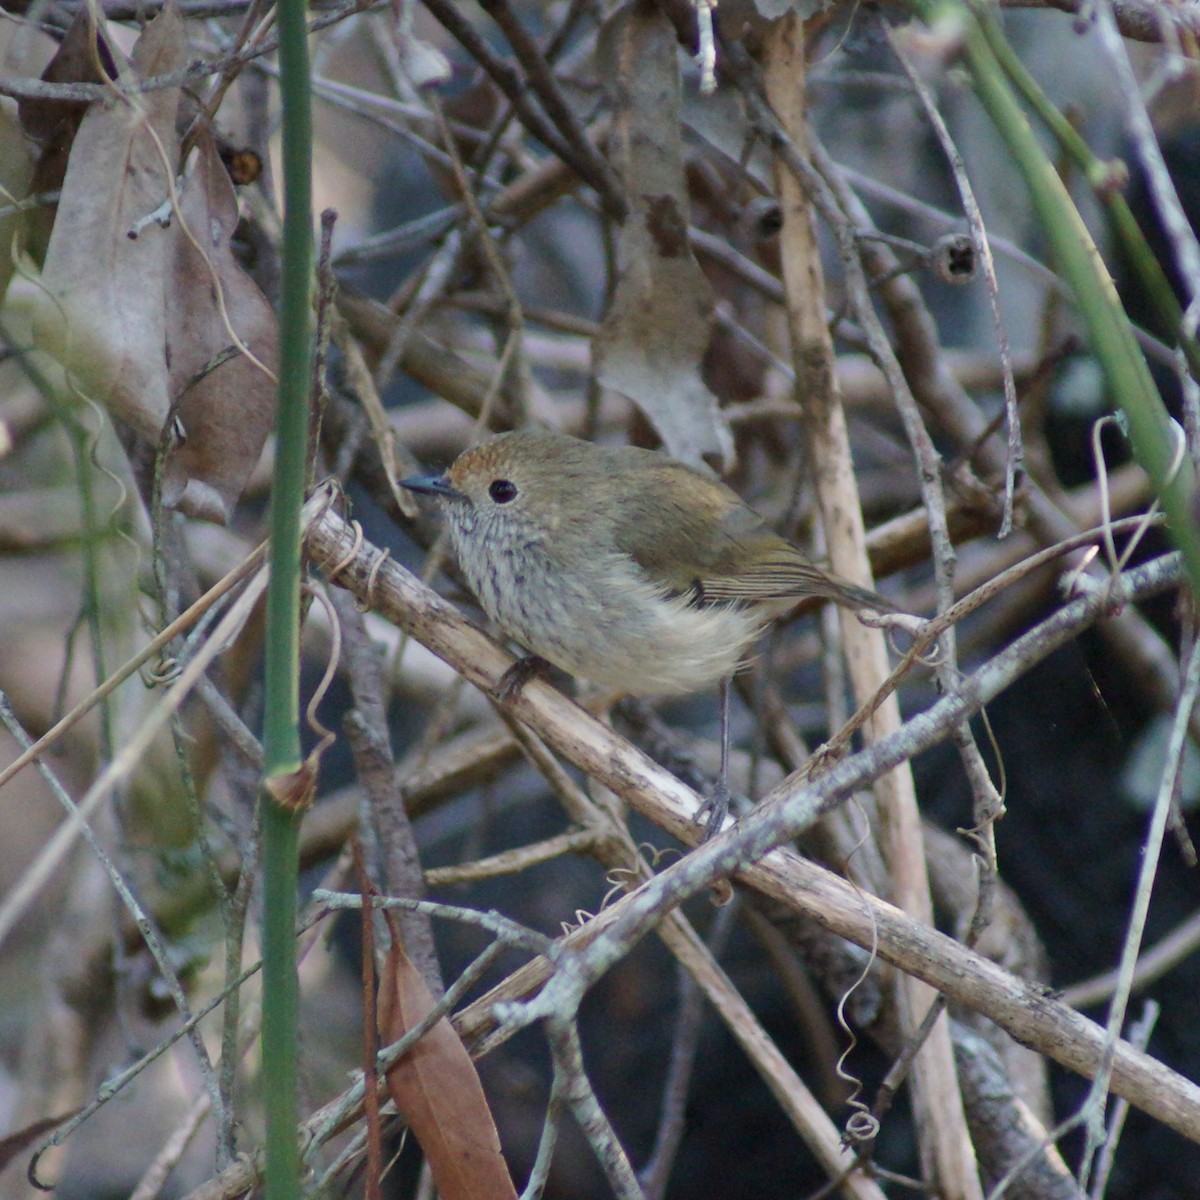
(529, 666)
(712, 813)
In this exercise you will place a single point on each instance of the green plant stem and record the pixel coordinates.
(87, 468)
(1104, 179)
(1078, 260)
(281, 724)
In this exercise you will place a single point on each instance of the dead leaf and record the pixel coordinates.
(78, 59)
(422, 63)
(294, 791)
(224, 400)
(102, 315)
(653, 339)
(437, 1090)
(15, 171)
(53, 124)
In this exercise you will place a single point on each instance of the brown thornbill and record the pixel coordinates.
(623, 566)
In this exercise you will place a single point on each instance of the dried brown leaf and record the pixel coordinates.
(224, 400)
(80, 58)
(294, 791)
(655, 334)
(15, 171)
(102, 313)
(437, 1090)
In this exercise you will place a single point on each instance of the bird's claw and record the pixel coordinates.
(712, 813)
(529, 666)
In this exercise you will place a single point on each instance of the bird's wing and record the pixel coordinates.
(695, 536)
(785, 574)
(675, 524)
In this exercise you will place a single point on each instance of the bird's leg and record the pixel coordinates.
(716, 807)
(527, 667)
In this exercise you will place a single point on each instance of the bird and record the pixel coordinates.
(624, 567)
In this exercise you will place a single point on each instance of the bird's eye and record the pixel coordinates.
(502, 491)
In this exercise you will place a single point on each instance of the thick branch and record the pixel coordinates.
(1023, 1009)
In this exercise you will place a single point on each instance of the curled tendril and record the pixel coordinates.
(326, 736)
(368, 601)
(582, 917)
(861, 1125)
(331, 573)
(164, 670)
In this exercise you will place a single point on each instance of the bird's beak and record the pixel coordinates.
(432, 485)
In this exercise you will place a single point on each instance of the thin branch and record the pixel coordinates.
(150, 933)
(578, 1096)
(1139, 1036)
(509, 81)
(1093, 1105)
(1164, 956)
(1142, 20)
(965, 977)
(542, 79)
(983, 248)
(684, 1044)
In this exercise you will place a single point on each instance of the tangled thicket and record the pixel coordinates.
(817, 247)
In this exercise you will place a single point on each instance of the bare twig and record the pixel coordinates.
(149, 931)
(984, 249)
(1143, 20)
(1161, 958)
(1093, 1106)
(965, 977)
(509, 81)
(1139, 1036)
(398, 864)
(945, 1147)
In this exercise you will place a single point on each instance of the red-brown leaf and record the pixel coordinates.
(54, 123)
(76, 60)
(437, 1090)
(226, 411)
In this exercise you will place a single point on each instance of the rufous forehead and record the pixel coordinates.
(480, 460)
